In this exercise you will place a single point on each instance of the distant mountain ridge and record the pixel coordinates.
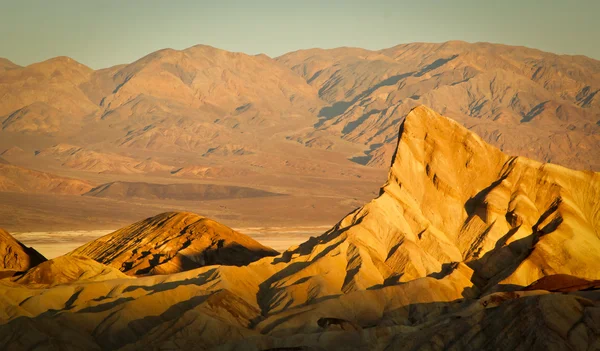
(201, 100)
(522, 100)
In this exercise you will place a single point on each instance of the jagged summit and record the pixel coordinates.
(451, 197)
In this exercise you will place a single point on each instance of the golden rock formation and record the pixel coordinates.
(16, 257)
(173, 242)
(462, 249)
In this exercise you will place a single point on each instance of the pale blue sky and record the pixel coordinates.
(104, 33)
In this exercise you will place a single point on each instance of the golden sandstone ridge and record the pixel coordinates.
(173, 242)
(465, 248)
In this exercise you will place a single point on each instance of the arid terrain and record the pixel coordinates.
(465, 247)
(424, 196)
(316, 127)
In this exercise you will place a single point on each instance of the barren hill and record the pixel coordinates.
(173, 242)
(16, 257)
(200, 171)
(23, 180)
(37, 117)
(454, 252)
(54, 83)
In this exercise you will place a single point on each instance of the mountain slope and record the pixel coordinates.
(524, 101)
(173, 242)
(16, 257)
(53, 82)
(6, 65)
(68, 269)
(23, 180)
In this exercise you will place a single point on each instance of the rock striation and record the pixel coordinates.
(173, 242)
(16, 257)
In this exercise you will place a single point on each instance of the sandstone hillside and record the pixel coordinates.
(173, 242)
(462, 243)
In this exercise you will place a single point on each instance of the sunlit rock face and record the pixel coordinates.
(16, 257)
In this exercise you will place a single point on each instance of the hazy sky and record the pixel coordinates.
(104, 33)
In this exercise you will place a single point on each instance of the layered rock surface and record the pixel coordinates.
(173, 242)
(16, 257)
(462, 243)
(68, 269)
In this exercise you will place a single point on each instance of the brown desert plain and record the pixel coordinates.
(228, 175)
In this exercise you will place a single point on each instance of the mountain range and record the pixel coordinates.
(202, 99)
(293, 125)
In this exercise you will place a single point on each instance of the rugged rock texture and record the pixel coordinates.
(461, 250)
(16, 257)
(173, 242)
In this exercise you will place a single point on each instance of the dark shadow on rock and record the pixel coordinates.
(340, 107)
(199, 280)
(507, 258)
(361, 160)
(354, 124)
(434, 65)
(332, 111)
(105, 306)
(109, 339)
(535, 111)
